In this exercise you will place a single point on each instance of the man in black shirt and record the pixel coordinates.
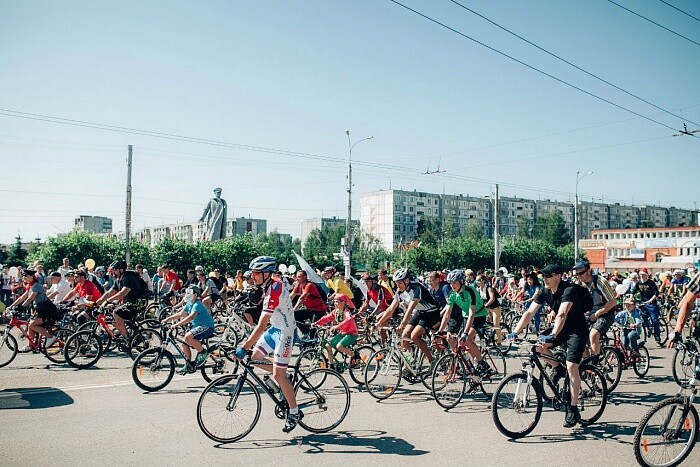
(126, 288)
(570, 330)
(649, 292)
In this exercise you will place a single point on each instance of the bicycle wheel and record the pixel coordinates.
(324, 406)
(683, 367)
(610, 363)
(663, 330)
(217, 365)
(516, 407)
(497, 371)
(153, 369)
(358, 372)
(8, 348)
(83, 349)
(383, 374)
(313, 359)
(143, 339)
(506, 345)
(640, 364)
(55, 351)
(449, 381)
(593, 395)
(664, 437)
(152, 311)
(228, 409)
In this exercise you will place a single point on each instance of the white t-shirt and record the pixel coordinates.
(63, 288)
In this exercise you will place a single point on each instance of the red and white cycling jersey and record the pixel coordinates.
(279, 306)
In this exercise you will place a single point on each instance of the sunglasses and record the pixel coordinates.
(581, 273)
(548, 276)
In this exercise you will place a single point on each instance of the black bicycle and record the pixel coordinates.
(229, 407)
(517, 403)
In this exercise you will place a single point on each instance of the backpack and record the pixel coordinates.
(144, 293)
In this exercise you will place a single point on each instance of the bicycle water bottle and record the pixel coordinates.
(270, 382)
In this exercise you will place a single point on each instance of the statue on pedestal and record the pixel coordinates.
(215, 217)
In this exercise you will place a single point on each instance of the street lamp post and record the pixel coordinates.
(348, 221)
(578, 179)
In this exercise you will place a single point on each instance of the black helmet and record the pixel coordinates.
(118, 265)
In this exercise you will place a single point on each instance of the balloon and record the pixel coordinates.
(90, 264)
(621, 288)
(292, 269)
(13, 271)
(282, 268)
(626, 282)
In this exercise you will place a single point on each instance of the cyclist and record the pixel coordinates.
(377, 295)
(386, 281)
(45, 309)
(196, 313)
(126, 288)
(422, 312)
(344, 327)
(84, 289)
(309, 305)
(489, 297)
(604, 304)
(528, 293)
(336, 283)
(570, 330)
(679, 283)
(631, 322)
(279, 338)
(59, 287)
(684, 309)
(464, 302)
(648, 292)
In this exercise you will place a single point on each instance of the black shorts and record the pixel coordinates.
(127, 312)
(603, 323)
(574, 344)
(456, 321)
(425, 320)
(479, 322)
(47, 311)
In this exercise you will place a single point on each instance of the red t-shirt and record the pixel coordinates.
(87, 289)
(313, 301)
(381, 296)
(172, 277)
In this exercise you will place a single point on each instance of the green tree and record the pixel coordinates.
(551, 228)
(524, 227)
(17, 255)
(322, 247)
(451, 228)
(474, 230)
(429, 231)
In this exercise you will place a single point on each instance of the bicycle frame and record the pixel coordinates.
(22, 325)
(534, 360)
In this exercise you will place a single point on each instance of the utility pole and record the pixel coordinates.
(128, 207)
(496, 246)
(347, 247)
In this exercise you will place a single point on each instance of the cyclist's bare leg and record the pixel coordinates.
(574, 380)
(279, 373)
(594, 337)
(36, 325)
(119, 324)
(473, 348)
(206, 301)
(406, 335)
(345, 350)
(193, 343)
(416, 337)
(329, 353)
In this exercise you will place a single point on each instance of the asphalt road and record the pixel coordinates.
(99, 417)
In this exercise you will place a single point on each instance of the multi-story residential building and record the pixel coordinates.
(681, 217)
(468, 211)
(622, 217)
(95, 224)
(653, 216)
(546, 206)
(245, 225)
(512, 209)
(592, 216)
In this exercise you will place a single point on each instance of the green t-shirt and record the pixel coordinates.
(464, 299)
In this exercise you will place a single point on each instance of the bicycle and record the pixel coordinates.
(639, 362)
(20, 321)
(519, 397)
(454, 371)
(233, 401)
(686, 358)
(667, 433)
(154, 368)
(648, 327)
(314, 356)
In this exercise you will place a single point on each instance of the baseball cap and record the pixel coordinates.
(582, 264)
(55, 274)
(551, 269)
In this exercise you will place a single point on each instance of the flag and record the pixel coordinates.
(360, 285)
(313, 276)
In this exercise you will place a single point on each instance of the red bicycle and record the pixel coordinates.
(639, 361)
(19, 320)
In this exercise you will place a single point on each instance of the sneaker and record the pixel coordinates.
(201, 357)
(355, 360)
(25, 349)
(594, 360)
(572, 417)
(482, 368)
(556, 374)
(50, 341)
(292, 421)
(185, 368)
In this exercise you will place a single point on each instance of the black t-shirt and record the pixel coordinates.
(646, 289)
(575, 320)
(127, 280)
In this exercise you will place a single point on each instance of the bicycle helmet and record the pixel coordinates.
(99, 269)
(247, 274)
(329, 269)
(456, 275)
(263, 264)
(401, 274)
(118, 265)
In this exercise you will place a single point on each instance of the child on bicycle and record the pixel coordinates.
(344, 327)
(196, 313)
(631, 321)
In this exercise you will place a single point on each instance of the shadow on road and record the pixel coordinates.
(613, 431)
(33, 398)
(641, 398)
(341, 442)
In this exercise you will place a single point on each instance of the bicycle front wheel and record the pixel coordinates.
(142, 340)
(55, 351)
(665, 435)
(153, 369)
(8, 348)
(449, 381)
(683, 367)
(83, 349)
(611, 366)
(383, 374)
(357, 373)
(217, 365)
(593, 395)
(228, 409)
(516, 407)
(640, 364)
(324, 406)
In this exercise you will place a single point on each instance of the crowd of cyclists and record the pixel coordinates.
(272, 311)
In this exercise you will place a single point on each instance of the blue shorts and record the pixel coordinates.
(201, 332)
(273, 341)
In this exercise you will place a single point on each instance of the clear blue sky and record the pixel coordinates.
(293, 76)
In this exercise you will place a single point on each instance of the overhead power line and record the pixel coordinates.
(678, 9)
(655, 23)
(542, 72)
(569, 63)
